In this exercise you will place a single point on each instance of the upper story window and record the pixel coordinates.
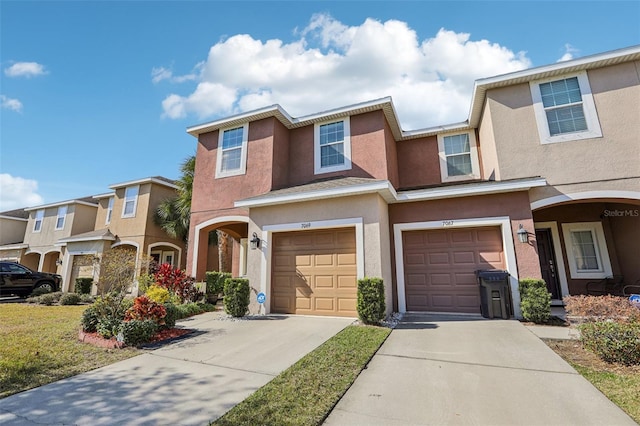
(232, 152)
(332, 146)
(62, 213)
(109, 210)
(565, 109)
(37, 226)
(130, 201)
(458, 156)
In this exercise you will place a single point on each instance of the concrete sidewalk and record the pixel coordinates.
(189, 382)
(455, 370)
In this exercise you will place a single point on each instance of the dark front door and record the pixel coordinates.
(548, 262)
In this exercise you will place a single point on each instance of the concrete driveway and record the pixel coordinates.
(188, 382)
(448, 370)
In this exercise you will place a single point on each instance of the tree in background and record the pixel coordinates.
(173, 215)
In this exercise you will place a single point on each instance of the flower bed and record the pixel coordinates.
(96, 339)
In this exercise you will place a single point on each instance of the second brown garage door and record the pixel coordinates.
(440, 265)
(314, 272)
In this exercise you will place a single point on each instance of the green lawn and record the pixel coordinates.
(305, 393)
(40, 345)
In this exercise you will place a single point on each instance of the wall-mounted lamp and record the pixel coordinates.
(255, 242)
(59, 262)
(523, 235)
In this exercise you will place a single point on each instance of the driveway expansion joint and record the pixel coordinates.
(478, 364)
(244, 370)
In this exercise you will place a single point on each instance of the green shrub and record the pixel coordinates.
(89, 320)
(47, 299)
(236, 296)
(87, 298)
(83, 285)
(157, 294)
(108, 327)
(535, 300)
(144, 282)
(613, 341)
(70, 299)
(188, 310)
(173, 314)
(215, 284)
(136, 332)
(371, 305)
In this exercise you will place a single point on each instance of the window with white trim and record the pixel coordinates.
(586, 250)
(232, 151)
(332, 146)
(37, 225)
(130, 201)
(565, 109)
(458, 156)
(62, 213)
(109, 210)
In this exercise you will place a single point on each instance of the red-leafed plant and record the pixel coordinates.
(146, 309)
(178, 282)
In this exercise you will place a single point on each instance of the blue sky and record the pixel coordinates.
(96, 93)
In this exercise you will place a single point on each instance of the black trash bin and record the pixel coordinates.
(495, 293)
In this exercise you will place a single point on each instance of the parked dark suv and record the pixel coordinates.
(19, 280)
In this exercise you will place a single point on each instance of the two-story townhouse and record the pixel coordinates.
(124, 219)
(13, 225)
(46, 225)
(328, 198)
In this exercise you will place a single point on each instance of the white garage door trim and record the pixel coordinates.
(265, 272)
(507, 243)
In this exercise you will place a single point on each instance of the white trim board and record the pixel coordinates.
(504, 222)
(587, 195)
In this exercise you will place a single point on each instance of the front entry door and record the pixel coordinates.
(548, 262)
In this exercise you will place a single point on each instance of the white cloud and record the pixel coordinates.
(25, 69)
(161, 73)
(17, 192)
(569, 53)
(332, 65)
(10, 103)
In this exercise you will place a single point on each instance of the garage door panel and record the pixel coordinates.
(324, 265)
(447, 282)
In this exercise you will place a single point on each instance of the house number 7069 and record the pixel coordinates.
(306, 225)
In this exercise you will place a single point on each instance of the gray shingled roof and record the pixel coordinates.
(333, 183)
(17, 213)
(100, 234)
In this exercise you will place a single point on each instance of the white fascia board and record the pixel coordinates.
(385, 189)
(341, 111)
(245, 117)
(143, 181)
(105, 195)
(483, 188)
(14, 218)
(14, 247)
(64, 241)
(60, 203)
(431, 131)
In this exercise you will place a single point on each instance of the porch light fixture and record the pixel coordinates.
(255, 242)
(523, 235)
(59, 262)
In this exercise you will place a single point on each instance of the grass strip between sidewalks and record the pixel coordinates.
(306, 392)
(40, 345)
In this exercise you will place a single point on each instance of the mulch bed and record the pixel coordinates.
(163, 336)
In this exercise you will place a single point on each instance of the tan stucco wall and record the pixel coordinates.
(79, 219)
(616, 91)
(101, 215)
(83, 218)
(630, 185)
(12, 231)
(371, 208)
(487, 148)
(13, 254)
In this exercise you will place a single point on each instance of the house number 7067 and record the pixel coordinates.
(447, 222)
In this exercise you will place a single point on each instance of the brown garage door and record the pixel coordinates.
(440, 265)
(314, 272)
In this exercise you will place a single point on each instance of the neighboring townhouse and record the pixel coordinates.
(124, 219)
(542, 180)
(13, 224)
(46, 225)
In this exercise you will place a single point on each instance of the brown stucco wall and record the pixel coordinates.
(622, 235)
(418, 162)
(515, 205)
(280, 175)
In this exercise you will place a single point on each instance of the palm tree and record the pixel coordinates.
(173, 215)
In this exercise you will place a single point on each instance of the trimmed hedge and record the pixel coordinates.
(70, 299)
(215, 284)
(371, 305)
(613, 341)
(236, 296)
(83, 285)
(535, 300)
(136, 332)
